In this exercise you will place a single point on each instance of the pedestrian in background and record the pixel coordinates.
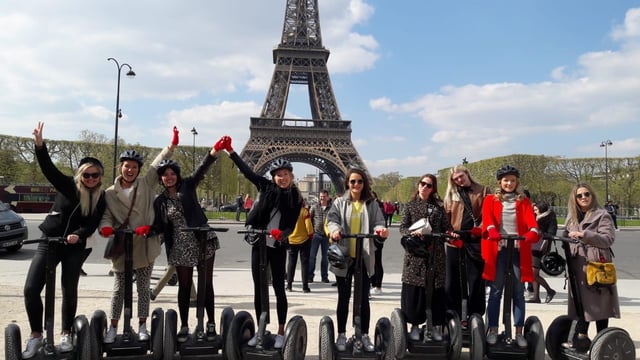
(376, 278)
(548, 224)
(239, 206)
(248, 203)
(300, 243)
(320, 240)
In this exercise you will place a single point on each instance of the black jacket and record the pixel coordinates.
(66, 216)
(270, 196)
(187, 193)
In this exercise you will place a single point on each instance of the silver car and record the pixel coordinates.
(13, 229)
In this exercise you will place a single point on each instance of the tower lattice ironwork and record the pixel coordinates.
(324, 141)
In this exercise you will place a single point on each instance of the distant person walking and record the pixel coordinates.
(248, 203)
(320, 240)
(612, 209)
(239, 206)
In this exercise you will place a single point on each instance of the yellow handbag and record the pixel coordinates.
(601, 273)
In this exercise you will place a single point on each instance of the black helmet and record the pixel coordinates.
(91, 160)
(168, 163)
(280, 164)
(552, 263)
(415, 245)
(132, 155)
(336, 257)
(507, 170)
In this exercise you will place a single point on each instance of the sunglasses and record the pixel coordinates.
(353, 182)
(90, 175)
(584, 194)
(428, 185)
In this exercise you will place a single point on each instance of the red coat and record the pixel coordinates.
(492, 216)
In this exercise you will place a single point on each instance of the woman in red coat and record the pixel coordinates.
(507, 211)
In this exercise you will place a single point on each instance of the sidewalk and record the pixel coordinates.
(234, 288)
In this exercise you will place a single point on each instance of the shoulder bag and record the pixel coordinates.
(115, 243)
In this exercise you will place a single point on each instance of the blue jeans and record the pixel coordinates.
(322, 242)
(496, 287)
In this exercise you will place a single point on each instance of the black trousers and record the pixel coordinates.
(477, 299)
(413, 302)
(276, 259)
(304, 250)
(344, 296)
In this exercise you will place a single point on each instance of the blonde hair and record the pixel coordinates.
(88, 198)
(451, 194)
(573, 209)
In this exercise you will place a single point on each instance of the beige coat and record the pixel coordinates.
(598, 237)
(145, 249)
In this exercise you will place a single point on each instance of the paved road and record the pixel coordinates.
(234, 287)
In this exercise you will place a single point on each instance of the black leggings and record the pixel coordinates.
(71, 257)
(276, 258)
(185, 282)
(476, 303)
(304, 249)
(344, 295)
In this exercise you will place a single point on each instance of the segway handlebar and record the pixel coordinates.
(46, 239)
(560, 238)
(255, 231)
(203, 228)
(362, 236)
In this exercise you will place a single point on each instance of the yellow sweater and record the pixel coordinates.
(303, 228)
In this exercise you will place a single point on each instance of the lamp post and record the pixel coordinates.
(130, 74)
(605, 144)
(194, 132)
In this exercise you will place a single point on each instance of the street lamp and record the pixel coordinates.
(605, 144)
(130, 74)
(194, 132)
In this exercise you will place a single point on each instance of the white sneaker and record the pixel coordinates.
(279, 342)
(436, 333)
(32, 346)
(415, 333)
(110, 338)
(377, 291)
(521, 341)
(65, 344)
(367, 344)
(254, 340)
(143, 334)
(341, 343)
(492, 337)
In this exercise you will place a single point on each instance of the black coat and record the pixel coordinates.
(65, 216)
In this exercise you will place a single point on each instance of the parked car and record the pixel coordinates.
(228, 208)
(13, 229)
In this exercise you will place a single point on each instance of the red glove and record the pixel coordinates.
(174, 140)
(227, 143)
(494, 234)
(143, 230)
(531, 237)
(220, 144)
(106, 231)
(276, 234)
(456, 242)
(476, 232)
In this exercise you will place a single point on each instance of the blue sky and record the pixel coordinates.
(425, 83)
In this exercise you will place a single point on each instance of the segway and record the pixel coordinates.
(610, 343)
(426, 347)
(506, 346)
(242, 327)
(80, 330)
(197, 345)
(127, 343)
(355, 347)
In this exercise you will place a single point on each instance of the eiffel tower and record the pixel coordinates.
(323, 141)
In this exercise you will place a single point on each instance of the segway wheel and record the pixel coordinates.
(399, 333)
(295, 339)
(557, 333)
(326, 344)
(477, 334)
(157, 333)
(453, 329)
(12, 342)
(613, 343)
(225, 323)
(241, 331)
(83, 333)
(383, 341)
(534, 333)
(98, 326)
(170, 334)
